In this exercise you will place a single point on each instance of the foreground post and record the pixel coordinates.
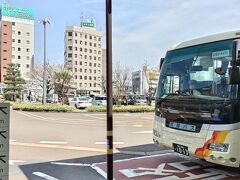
(109, 90)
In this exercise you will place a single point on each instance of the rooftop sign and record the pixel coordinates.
(17, 12)
(88, 24)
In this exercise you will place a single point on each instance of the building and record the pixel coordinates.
(139, 82)
(17, 39)
(83, 55)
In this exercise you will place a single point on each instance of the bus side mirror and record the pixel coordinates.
(161, 62)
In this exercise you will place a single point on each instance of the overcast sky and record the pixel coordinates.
(143, 30)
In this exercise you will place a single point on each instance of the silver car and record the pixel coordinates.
(80, 102)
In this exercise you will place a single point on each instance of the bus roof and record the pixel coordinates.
(207, 39)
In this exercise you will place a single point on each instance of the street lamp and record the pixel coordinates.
(44, 22)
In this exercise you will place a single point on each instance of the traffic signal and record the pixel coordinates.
(48, 86)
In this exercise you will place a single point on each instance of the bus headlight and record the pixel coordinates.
(218, 147)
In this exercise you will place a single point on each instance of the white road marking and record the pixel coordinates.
(92, 116)
(12, 162)
(137, 125)
(71, 164)
(100, 143)
(53, 142)
(44, 176)
(143, 132)
(13, 140)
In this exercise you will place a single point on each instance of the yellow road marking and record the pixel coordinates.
(77, 148)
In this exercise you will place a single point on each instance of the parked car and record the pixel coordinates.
(52, 98)
(99, 101)
(141, 100)
(80, 102)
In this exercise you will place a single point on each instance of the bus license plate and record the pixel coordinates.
(181, 149)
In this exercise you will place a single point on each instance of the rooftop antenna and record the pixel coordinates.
(81, 18)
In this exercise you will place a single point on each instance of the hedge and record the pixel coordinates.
(38, 107)
(131, 109)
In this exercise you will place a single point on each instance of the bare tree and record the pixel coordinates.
(121, 82)
(103, 84)
(152, 75)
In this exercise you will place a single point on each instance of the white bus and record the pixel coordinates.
(198, 99)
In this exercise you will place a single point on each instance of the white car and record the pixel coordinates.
(80, 102)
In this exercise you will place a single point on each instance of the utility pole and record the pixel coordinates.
(109, 90)
(44, 22)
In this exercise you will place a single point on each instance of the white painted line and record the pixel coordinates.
(53, 142)
(13, 140)
(100, 143)
(71, 164)
(12, 162)
(143, 132)
(44, 176)
(137, 125)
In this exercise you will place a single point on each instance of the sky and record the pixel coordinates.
(143, 30)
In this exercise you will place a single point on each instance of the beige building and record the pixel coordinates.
(17, 39)
(83, 55)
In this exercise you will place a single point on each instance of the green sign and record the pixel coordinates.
(17, 12)
(219, 54)
(88, 24)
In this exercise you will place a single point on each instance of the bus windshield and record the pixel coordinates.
(192, 72)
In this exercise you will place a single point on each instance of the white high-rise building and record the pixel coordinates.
(83, 55)
(17, 39)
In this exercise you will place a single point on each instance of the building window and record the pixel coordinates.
(69, 48)
(69, 40)
(99, 52)
(13, 40)
(90, 64)
(80, 77)
(13, 32)
(27, 65)
(19, 32)
(80, 84)
(28, 58)
(90, 57)
(75, 62)
(99, 58)
(75, 77)
(95, 65)
(28, 33)
(80, 42)
(81, 34)
(90, 77)
(4, 59)
(95, 78)
(19, 41)
(13, 56)
(4, 33)
(85, 43)
(90, 71)
(75, 34)
(13, 48)
(95, 45)
(90, 84)
(95, 84)
(69, 55)
(69, 33)
(28, 42)
(4, 50)
(95, 71)
(28, 50)
(99, 45)
(80, 56)
(19, 57)
(75, 55)
(95, 58)
(80, 62)
(75, 48)
(5, 25)
(95, 52)
(99, 39)
(80, 49)
(85, 77)
(85, 56)
(75, 41)
(85, 84)
(90, 37)
(75, 69)
(95, 38)
(90, 50)
(80, 69)
(13, 23)
(85, 36)
(85, 70)
(90, 44)
(5, 42)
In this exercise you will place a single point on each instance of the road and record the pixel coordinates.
(42, 137)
